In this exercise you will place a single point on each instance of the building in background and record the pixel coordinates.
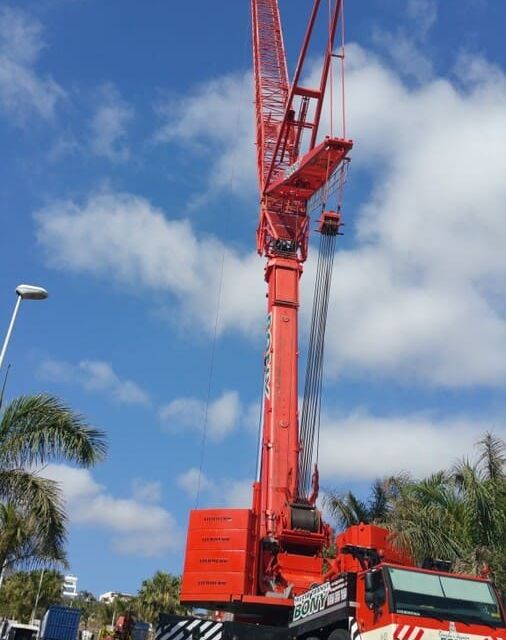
(111, 596)
(69, 589)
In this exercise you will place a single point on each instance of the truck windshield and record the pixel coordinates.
(441, 596)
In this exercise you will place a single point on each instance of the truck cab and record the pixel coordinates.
(13, 630)
(396, 602)
(406, 603)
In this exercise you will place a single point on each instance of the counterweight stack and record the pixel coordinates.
(255, 560)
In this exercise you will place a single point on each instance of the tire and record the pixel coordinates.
(339, 634)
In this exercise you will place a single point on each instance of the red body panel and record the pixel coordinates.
(219, 560)
(371, 537)
(300, 571)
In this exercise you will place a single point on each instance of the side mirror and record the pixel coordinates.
(371, 581)
(374, 589)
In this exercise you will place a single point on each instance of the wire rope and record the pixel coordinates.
(311, 404)
(233, 176)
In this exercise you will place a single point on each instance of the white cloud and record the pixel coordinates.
(22, 90)
(423, 13)
(361, 446)
(238, 494)
(109, 126)
(420, 296)
(217, 118)
(138, 527)
(423, 294)
(251, 416)
(137, 243)
(223, 415)
(192, 481)
(95, 375)
(406, 54)
(407, 45)
(146, 491)
(223, 492)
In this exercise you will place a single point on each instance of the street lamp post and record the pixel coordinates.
(24, 292)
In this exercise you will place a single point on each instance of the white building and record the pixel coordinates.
(69, 587)
(111, 596)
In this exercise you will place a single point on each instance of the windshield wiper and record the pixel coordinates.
(430, 613)
(477, 620)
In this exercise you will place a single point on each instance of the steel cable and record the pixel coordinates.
(311, 405)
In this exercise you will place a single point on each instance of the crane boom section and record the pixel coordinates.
(287, 176)
(271, 80)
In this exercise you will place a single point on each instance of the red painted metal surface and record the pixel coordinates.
(274, 551)
(280, 446)
(271, 80)
(219, 560)
(368, 536)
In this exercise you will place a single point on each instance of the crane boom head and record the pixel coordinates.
(289, 176)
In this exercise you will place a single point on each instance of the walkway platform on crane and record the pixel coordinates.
(303, 178)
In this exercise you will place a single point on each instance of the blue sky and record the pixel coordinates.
(127, 180)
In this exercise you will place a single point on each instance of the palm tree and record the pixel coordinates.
(160, 594)
(36, 430)
(21, 541)
(348, 509)
(458, 515)
(19, 594)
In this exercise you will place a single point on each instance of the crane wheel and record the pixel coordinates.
(339, 634)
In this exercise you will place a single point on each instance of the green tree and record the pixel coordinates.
(19, 594)
(36, 430)
(88, 604)
(459, 514)
(20, 539)
(348, 509)
(159, 594)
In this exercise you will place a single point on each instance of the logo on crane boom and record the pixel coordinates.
(268, 358)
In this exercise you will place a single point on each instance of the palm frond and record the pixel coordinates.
(40, 499)
(38, 429)
(493, 456)
(345, 508)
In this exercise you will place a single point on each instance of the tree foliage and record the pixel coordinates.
(348, 509)
(19, 594)
(159, 594)
(457, 514)
(36, 430)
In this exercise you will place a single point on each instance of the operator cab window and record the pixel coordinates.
(444, 597)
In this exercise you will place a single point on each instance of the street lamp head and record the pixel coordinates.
(29, 292)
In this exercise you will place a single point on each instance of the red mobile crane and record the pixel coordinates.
(265, 564)
(259, 558)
